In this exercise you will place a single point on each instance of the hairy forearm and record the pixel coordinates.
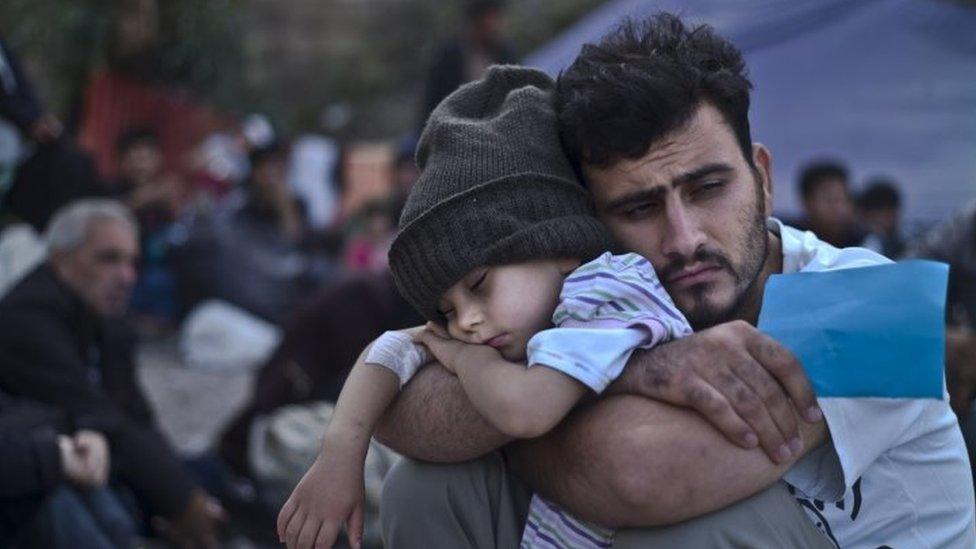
(433, 420)
(644, 374)
(626, 461)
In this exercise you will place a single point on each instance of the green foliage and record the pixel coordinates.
(199, 44)
(292, 59)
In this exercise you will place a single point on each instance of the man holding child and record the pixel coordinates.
(655, 118)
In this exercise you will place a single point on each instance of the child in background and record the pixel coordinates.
(497, 246)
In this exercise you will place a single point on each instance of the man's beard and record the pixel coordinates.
(745, 276)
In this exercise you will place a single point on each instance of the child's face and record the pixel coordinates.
(504, 306)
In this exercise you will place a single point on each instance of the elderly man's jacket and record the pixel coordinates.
(55, 350)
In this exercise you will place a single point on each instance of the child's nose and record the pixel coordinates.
(470, 318)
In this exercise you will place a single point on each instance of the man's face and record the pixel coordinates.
(103, 269)
(882, 220)
(696, 210)
(141, 163)
(829, 207)
(488, 28)
(268, 179)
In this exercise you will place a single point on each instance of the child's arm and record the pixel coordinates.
(331, 492)
(520, 402)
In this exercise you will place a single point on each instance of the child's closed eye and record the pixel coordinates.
(480, 280)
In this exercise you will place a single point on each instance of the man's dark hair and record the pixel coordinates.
(643, 80)
(134, 137)
(880, 194)
(815, 173)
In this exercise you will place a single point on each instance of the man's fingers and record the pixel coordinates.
(716, 409)
(786, 369)
(752, 410)
(774, 400)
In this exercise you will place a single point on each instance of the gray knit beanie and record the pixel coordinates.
(495, 188)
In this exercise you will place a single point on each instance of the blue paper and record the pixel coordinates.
(867, 332)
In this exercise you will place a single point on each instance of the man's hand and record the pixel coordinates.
(85, 458)
(739, 379)
(197, 525)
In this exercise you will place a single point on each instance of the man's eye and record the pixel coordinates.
(446, 314)
(639, 211)
(708, 188)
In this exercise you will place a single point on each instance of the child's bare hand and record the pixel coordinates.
(450, 352)
(328, 496)
(437, 329)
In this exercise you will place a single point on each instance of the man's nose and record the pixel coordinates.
(682, 235)
(128, 274)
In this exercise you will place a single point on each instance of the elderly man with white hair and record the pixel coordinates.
(64, 342)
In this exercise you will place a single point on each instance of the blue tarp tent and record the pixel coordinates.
(889, 86)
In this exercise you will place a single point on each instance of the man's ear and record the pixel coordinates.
(762, 159)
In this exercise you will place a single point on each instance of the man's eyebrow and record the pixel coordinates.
(643, 195)
(638, 196)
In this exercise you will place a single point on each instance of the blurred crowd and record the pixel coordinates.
(153, 215)
(149, 215)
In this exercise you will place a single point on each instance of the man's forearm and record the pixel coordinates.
(627, 461)
(433, 420)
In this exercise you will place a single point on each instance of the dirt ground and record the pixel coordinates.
(191, 405)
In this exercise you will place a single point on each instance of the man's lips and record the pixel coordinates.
(690, 277)
(498, 341)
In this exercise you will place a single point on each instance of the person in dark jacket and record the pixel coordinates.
(465, 57)
(63, 342)
(19, 104)
(53, 485)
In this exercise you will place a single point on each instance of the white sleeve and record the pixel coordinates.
(861, 430)
(592, 356)
(397, 352)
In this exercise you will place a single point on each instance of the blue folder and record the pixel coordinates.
(866, 332)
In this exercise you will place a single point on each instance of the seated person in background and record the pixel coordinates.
(369, 235)
(254, 252)
(827, 207)
(65, 343)
(151, 195)
(52, 484)
(879, 207)
(317, 351)
(20, 105)
(954, 242)
(153, 198)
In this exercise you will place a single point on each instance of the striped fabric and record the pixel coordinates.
(620, 291)
(549, 527)
(608, 308)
